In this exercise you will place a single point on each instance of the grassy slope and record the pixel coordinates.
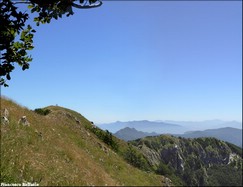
(64, 154)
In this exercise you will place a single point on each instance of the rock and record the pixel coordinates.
(23, 121)
(167, 182)
(69, 115)
(77, 121)
(4, 121)
(5, 112)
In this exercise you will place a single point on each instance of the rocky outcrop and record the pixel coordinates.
(23, 121)
(152, 155)
(4, 118)
(5, 112)
(189, 157)
(173, 156)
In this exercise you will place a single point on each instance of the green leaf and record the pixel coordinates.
(16, 45)
(30, 6)
(22, 36)
(36, 19)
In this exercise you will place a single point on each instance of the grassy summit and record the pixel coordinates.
(64, 148)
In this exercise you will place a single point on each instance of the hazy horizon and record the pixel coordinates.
(171, 127)
(132, 60)
(169, 120)
(143, 119)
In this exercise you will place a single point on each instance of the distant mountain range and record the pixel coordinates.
(228, 134)
(145, 126)
(207, 124)
(132, 134)
(170, 127)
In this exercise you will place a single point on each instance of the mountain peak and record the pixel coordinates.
(129, 133)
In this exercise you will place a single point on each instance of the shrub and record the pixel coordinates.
(163, 169)
(225, 176)
(135, 158)
(41, 111)
(105, 136)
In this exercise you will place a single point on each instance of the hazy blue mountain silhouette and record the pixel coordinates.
(207, 124)
(171, 127)
(145, 126)
(132, 134)
(229, 134)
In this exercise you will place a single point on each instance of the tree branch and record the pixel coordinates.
(87, 6)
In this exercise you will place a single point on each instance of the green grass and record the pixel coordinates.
(57, 150)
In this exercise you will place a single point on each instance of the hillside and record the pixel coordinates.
(193, 162)
(132, 134)
(229, 134)
(61, 147)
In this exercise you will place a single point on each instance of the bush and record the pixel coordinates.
(163, 169)
(225, 176)
(41, 111)
(105, 136)
(108, 139)
(135, 158)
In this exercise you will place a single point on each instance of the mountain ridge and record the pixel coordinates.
(59, 146)
(64, 148)
(169, 126)
(193, 162)
(143, 125)
(131, 134)
(229, 134)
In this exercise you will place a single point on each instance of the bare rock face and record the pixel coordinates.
(152, 155)
(23, 121)
(173, 156)
(193, 160)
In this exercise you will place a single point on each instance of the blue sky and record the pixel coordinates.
(161, 60)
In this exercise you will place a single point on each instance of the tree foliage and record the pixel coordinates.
(16, 38)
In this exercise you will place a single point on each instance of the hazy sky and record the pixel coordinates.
(161, 60)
